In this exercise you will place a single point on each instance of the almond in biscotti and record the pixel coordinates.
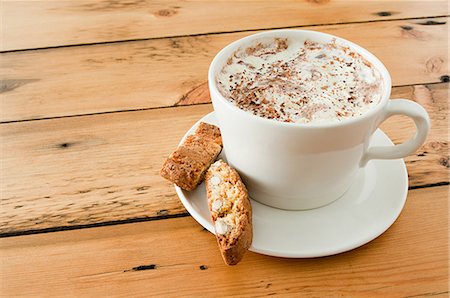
(231, 212)
(186, 166)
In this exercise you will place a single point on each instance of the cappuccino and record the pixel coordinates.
(300, 81)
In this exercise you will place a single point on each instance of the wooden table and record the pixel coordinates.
(94, 96)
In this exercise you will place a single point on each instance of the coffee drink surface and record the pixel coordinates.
(304, 82)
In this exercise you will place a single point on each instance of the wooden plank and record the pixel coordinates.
(409, 260)
(93, 169)
(36, 24)
(165, 72)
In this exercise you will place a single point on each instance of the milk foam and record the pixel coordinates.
(304, 82)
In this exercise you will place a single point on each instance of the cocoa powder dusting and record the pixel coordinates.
(301, 82)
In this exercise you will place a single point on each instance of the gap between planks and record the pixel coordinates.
(143, 219)
(223, 32)
(161, 107)
(55, 23)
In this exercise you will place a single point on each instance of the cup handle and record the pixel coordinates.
(421, 120)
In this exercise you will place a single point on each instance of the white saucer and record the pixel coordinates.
(368, 209)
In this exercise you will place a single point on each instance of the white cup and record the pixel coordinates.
(296, 166)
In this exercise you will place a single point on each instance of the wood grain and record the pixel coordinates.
(36, 24)
(92, 169)
(165, 258)
(166, 72)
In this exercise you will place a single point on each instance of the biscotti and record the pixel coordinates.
(210, 132)
(186, 166)
(231, 212)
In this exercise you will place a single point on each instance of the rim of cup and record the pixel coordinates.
(227, 51)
